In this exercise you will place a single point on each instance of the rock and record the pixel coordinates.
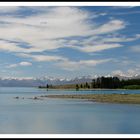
(17, 97)
(35, 98)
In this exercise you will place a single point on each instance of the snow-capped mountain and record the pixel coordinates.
(35, 82)
(128, 77)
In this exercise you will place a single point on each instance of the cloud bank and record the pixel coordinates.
(35, 36)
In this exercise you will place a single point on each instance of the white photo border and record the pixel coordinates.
(69, 4)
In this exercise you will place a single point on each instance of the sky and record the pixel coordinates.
(59, 41)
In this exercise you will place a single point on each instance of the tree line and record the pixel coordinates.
(109, 83)
(101, 82)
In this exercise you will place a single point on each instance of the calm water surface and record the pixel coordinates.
(65, 116)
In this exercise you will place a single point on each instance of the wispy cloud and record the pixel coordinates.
(9, 47)
(41, 58)
(8, 9)
(99, 47)
(120, 38)
(77, 65)
(100, 42)
(111, 26)
(126, 13)
(44, 31)
(35, 37)
(19, 64)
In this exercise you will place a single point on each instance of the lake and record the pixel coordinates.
(65, 116)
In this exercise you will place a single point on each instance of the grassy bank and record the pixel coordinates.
(132, 87)
(104, 98)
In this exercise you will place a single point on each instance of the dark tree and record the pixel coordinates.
(106, 82)
(86, 85)
(77, 87)
(47, 86)
(93, 83)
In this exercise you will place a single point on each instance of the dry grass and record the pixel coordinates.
(107, 98)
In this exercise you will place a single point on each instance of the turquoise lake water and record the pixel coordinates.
(65, 116)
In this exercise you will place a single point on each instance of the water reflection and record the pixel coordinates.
(57, 116)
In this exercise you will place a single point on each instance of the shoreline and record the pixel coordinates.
(102, 98)
(91, 89)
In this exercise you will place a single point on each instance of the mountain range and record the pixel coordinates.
(34, 82)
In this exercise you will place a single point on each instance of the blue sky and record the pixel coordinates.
(69, 41)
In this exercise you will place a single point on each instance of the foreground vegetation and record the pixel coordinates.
(104, 98)
(132, 87)
(100, 83)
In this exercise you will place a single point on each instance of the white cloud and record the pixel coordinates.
(12, 66)
(14, 47)
(111, 26)
(10, 47)
(99, 47)
(57, 23)
(19, 64)
(42, 58)
(8, 9)
(25, 64)
(64, 63)
(121, 38)
(51, 29)
(100, 43)
(47, 58)
(44, 31)
(77, 65)
(40, 31)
